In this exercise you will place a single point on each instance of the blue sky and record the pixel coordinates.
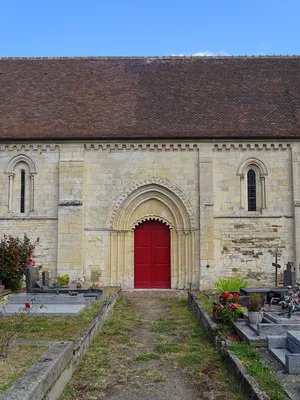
(149, 27)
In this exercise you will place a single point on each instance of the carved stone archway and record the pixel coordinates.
(153, 200)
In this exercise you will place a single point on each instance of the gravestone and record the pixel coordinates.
(95, 273)
(32, 276)
(290, 275)
(45, 278)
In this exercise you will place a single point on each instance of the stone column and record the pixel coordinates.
(70, 211)
(31, 206)
(242, 191)
(263, 192)
(10, 191)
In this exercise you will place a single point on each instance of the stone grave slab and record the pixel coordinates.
(262, 290)
(276, 318)
(51, 310)
(47, 298)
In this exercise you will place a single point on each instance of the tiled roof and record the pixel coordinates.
(150, 97)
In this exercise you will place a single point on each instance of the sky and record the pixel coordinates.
(37, 28)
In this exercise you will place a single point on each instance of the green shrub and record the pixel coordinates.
(63, 280)
(15, 255)
(230, 285)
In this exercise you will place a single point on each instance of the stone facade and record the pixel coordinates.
(84, 199)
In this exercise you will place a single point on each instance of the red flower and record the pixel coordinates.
(237, 296)
(27, 305)
(226, 295)
(232, 336)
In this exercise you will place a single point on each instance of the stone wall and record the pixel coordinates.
(245, 242)
(88, 197)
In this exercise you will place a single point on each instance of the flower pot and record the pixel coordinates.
(255, 317)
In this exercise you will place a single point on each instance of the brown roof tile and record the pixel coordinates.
(150, 97)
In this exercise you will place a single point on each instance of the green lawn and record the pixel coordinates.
(18, 361)
(52, 328)
(118, 354)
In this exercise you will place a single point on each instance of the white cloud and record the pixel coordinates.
(205, 53)
(210, 53)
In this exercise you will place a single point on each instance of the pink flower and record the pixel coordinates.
(233, 305)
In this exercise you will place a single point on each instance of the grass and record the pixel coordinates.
(19, 359)
(107, 355)
(179, 342)
(53, 328)
(146, 357)
(261, 373)
(197, 355)
(206, 302)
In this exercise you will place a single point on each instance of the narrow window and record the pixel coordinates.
(251, 181)
(22, 202)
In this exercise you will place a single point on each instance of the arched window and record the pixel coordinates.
(251, 190)
(21, 171)
(252, 173)
(23, 187)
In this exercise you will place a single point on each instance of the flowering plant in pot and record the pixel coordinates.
(255, 309)
(227, 309)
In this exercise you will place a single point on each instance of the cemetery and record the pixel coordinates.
(275, 330)
(279, 326)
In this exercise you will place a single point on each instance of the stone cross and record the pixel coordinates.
(276, 265)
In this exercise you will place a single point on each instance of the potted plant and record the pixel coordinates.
(255, 310)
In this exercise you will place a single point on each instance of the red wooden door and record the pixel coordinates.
(152, 255)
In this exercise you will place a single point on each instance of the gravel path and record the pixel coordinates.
(176, 384)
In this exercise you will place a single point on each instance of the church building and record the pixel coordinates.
(153, 172)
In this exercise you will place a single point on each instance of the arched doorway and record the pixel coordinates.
(153, 200)
(152, 255)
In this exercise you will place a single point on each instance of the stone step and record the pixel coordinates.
(280, 354)
(277, 329)
(154, 293)
(254, 328)
(249, 335)
(292, 346)
(294, 336)
(278, 347)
